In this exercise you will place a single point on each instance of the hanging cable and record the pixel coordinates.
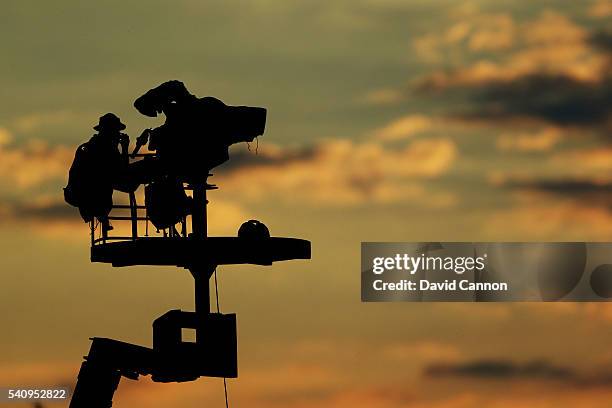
(256, 145)
(219, 311)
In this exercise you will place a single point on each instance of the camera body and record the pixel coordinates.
(198, 131)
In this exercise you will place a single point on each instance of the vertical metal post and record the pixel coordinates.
(201, 273)
(198, 219)
(202, 291)
(201, 276)
(133, 215)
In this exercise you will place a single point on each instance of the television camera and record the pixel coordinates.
(197, 132)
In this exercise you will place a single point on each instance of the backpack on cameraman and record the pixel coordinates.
(84, 186)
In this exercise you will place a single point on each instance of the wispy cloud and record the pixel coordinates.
(557, 72)
(500, 369)
(34, 163)
(541, 141)
(404, 127)
(552, 44)
(600, 9)
(344, 172)
(476, 32)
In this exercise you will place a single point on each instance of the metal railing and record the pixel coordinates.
(133, 218)
(197, 214)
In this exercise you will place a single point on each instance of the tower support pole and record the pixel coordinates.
(199, 220)
(201, 276)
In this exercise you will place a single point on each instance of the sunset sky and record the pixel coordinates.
(388, 120)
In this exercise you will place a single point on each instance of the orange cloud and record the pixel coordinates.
(35, 163)
(551, 44)
(541, 141)
(383, 96)
(6, 136)
(600, 9)
(403, 128)
(596, 162)
(422, 351)
(474, 32)
(493, 33)
(343, 172)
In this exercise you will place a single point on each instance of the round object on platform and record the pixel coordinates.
(253, 229)
(601, 281)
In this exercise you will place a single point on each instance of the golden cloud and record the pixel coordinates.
(422, 351)
(493, 33)
(474, 32)
(6, 136)
(594, 161)
(600, 9)
(34, 163)
(383, 96)
(344, 172)
(541, 141)
(551, 44)
(404, 127)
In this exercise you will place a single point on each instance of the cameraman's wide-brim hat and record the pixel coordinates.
(109, 121)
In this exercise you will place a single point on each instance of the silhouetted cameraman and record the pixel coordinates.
(99, 166)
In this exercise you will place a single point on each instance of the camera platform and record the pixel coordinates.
(194, 139)
(185, 251)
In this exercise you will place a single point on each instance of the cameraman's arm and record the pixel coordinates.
(157, 136)
(141, 141)
(124, 142)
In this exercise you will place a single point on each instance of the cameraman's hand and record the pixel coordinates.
(141, 141)
(124, 140)
(143, 138)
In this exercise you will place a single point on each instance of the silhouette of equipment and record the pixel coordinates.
(197, 132)
(205, 128)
